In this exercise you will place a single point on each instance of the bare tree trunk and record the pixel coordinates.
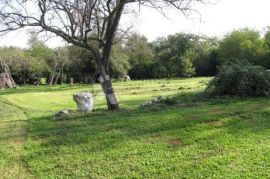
(50, 82)
(61, 73)
(52, 75)
(12, 82)
(106, 85)
(57, 78)
(103, 62)
(5, 75)
(62, 76)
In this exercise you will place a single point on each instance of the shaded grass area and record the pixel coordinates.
(223, 140)
(219, 138)
(14, 128)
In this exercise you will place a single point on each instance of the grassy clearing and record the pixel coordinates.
(130, 94)
(217, 139)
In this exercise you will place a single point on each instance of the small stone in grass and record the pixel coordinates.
(63, 112)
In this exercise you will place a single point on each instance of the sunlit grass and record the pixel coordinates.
(220, 138)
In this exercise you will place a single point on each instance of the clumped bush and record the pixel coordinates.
(242, 79)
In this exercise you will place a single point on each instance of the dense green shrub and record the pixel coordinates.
(240, 79)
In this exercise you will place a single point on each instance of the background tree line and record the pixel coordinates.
(177, 55)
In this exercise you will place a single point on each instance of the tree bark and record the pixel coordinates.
(62, 76)
(6, 75)
(103, 60)
(50, 82)
(56, 80)
(52, 75)
(108, 90)
(106, 84)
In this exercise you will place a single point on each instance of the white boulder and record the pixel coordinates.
(126, 78)
(84, 100)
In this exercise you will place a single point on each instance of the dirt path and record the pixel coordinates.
(14, 129)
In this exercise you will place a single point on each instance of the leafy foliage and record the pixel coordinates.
(243, 44)
(119, 62)
(140, 56)
(81, 65)
(171, 55)
(240, 79)
(178, 55)
(24, 68)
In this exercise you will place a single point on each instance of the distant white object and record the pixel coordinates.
(84, 100)
(126, 78)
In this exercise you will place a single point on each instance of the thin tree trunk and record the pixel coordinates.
(52, 76)
(57, 78)
(62, 76)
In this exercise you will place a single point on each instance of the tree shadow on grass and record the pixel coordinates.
(102, 139)
(13, 131)
(104, 130)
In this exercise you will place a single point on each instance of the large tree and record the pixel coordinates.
(90, 24)
(244, 44)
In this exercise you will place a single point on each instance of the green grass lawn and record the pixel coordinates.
(222, 138)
